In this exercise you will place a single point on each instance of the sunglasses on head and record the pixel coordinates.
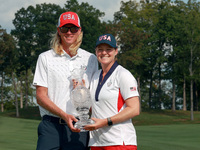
(72, 29)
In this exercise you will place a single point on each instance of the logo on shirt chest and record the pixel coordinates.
(109, 83)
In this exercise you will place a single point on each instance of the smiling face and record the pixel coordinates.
(68, 38)
(106, 55)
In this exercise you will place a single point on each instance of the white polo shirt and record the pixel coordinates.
(108, 101)
(54, 72)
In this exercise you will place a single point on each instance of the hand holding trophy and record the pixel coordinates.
(81, 100)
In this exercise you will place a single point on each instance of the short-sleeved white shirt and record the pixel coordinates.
(54, 72)
(119, 86)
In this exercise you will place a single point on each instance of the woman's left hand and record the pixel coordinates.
(99, 123)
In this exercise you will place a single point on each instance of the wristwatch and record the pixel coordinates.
(109, 121)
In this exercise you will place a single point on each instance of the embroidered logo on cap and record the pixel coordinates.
(105, 37)
(68, 16)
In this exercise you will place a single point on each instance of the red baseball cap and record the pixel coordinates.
(69, 18)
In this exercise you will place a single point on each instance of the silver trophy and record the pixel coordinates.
(81, 99)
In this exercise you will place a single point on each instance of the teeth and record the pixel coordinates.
(68, 37)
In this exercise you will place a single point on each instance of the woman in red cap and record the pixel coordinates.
(53, 86)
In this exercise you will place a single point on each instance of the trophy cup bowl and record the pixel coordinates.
(81, 100)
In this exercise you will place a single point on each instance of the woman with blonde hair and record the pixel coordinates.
(53, 86)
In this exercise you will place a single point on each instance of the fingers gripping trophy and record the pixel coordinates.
(81, 99)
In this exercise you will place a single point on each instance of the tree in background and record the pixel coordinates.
(192, 30)
(159, 54)
(158, 43)
(7, 47)
(34, 27)
(126, 27)
(91, 23)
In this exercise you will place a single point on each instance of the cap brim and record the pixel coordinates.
(106, 42)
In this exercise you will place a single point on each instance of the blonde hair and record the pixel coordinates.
(74, 47)
(56, 45)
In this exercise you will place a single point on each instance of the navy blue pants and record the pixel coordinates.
(56, 136)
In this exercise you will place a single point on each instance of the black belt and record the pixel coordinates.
(53, 119)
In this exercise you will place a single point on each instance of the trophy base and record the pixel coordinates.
(81, 123)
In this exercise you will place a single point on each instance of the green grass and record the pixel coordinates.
(166, 117)
(151, 117)
(156, 130)
(18, 134)
(169, 137)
